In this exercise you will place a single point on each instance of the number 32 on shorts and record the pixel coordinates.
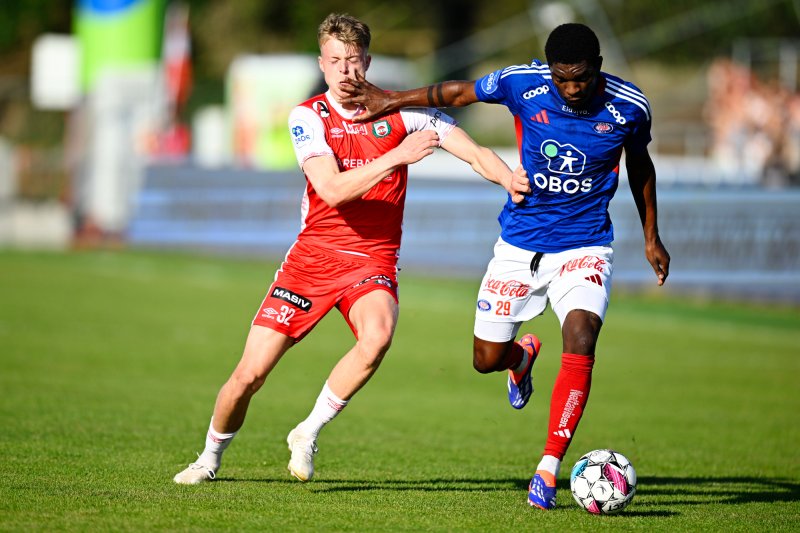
(285, 315)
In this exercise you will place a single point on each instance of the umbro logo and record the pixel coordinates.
(595, 278)
(541, 117)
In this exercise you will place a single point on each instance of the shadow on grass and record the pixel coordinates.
(354, 485)
(730, 490)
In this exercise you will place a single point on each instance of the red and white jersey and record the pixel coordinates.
(371, 225)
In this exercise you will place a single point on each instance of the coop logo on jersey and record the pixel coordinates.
(320, 107)
(301, 302)
(603, 127)
(381, 129)
(489, 82)
(616, 114)
(544, 89)
(563, 158)
(302, 134)
(484, 305)
(355, 129)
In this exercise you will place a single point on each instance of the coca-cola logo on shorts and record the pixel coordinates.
(587, 261)
(510, 288)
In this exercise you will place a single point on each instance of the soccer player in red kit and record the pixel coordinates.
(346, 253)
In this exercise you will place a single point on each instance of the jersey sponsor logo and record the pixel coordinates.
(603, 127)
(489, 82)
(510, 288)
(269, 313)
(544, 89)
(353, 163)
(573, 401)
(320, 107)
(616, 114)
(381, 129)
(563, 158)
(541, 117)
(356, 129)
(302, 134)
(595, 278)
(301, 302)
(437, 116)
(587, 261)
(559, 184)
(484, 305)
(568, 109)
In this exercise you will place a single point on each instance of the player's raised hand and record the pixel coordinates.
(417, 146)
(658, 257)
(520, 185)
(361, 92)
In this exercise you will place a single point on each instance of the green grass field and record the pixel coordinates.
(111, 363)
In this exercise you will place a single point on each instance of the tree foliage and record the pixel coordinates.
(682, 31)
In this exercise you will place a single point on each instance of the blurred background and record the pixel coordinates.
(162, 124)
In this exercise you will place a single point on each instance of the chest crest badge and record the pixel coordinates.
(381, 129)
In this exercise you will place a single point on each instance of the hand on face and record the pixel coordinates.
(362, 93)
(340, 62)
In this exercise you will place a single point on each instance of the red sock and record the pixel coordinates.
(570, 393)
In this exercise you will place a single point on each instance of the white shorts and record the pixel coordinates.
(512, 293)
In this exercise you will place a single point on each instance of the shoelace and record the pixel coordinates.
(308, 447)
(198, 466)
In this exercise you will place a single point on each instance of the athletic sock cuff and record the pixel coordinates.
(577, 362)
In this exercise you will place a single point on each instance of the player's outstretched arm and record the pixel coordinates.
(642, 180)
(336, 187)
(379, 102)
(488, 164)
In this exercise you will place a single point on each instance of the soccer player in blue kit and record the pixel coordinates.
(573, 123)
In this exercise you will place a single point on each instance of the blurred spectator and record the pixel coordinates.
(755, 126)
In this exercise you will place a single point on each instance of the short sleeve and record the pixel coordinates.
(426, 118)
(489, 89)
(308, 135)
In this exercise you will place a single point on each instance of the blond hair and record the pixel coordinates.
(345, 28)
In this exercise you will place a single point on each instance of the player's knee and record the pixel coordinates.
(484, 359)
(245, 382)
(374, 345)
(580, 332)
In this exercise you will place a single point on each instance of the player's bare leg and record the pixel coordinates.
(374, 317)
(263, 349)
(516, 357)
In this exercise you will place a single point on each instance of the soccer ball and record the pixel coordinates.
(603, 482)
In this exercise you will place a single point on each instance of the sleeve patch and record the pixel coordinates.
(302, 134)
(490, 81)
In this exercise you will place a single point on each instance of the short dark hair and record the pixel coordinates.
(572, 43)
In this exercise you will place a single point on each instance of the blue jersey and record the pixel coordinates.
(571, 156)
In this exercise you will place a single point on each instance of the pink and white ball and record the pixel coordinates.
(603, 482)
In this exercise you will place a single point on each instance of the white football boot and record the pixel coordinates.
(194, 474)
(303, 448)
